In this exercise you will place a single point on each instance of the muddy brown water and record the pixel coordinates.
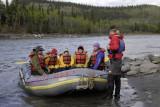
(11, 51)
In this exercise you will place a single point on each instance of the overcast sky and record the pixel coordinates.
(113, 2)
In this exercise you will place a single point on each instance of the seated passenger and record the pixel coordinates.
(97, 58)
(52, 61)
(66, 60)
(38, 66)
(80, 58)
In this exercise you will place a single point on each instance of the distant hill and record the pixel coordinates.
(41, 16)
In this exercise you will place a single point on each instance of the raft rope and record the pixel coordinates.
(82, 82)
(21, 76)
(89, 83)
(46, 78)
(67, 76)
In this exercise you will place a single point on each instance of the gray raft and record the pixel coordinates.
(62, 82)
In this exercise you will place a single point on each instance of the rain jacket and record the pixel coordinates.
(100, 57)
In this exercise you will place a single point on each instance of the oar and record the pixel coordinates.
(21, 62)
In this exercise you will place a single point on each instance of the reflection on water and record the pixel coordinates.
(11, 95)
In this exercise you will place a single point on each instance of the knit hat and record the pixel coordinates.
(38, 48)
(96, 45)
(54, 51)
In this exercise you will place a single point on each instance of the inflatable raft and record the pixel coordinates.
(62, 82)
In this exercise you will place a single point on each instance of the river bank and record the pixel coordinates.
(144, 75)
(57, 35)
(141, 66)
(147, 89)
(45, 36)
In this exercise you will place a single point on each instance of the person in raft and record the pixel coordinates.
(80, 58)
(97, 58)
(52, 61)
(66, 60)
(115, 49)
(38, 66)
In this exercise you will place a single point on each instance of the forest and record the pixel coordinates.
(51, 17)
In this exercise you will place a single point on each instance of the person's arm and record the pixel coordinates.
(74, 57)
(87, 60)
(99, 59)
(61, 61)
(57, 63)
(46, 60)
(72, 61)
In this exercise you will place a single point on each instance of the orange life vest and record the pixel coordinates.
(81, 57)
(53, 60)
(93, 60)
(67, 59)
(41, 60)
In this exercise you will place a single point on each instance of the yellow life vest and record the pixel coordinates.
(52, 62)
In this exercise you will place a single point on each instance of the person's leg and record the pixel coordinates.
(58, 70)
(117, 86)
(46, 70)
(52, 71)
(35, 73)
(67, 68)
(110, 85)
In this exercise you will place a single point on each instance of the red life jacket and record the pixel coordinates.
(53, 60)
(94, 57)
(41, 61)
(114, 42)
(116, 56)
(67, 59)
(81, 57)
(114, 45)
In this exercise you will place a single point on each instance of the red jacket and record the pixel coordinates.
(114, 46)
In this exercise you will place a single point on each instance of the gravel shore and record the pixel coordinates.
(147, 88)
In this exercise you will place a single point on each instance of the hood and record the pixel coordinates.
(121, 36)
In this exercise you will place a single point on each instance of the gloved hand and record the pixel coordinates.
(109, 72)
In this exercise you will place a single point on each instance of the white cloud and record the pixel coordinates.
(5, 1)
(112, 2)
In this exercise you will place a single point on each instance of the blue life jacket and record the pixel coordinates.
(121, 46)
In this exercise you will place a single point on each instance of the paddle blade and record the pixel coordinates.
(21, 62)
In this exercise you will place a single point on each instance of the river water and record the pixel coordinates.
(11, 51)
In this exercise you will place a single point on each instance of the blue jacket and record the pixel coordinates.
(99, 58)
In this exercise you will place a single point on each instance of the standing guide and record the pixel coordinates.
(115, 49)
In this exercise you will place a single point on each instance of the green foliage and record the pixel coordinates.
(41, 16)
